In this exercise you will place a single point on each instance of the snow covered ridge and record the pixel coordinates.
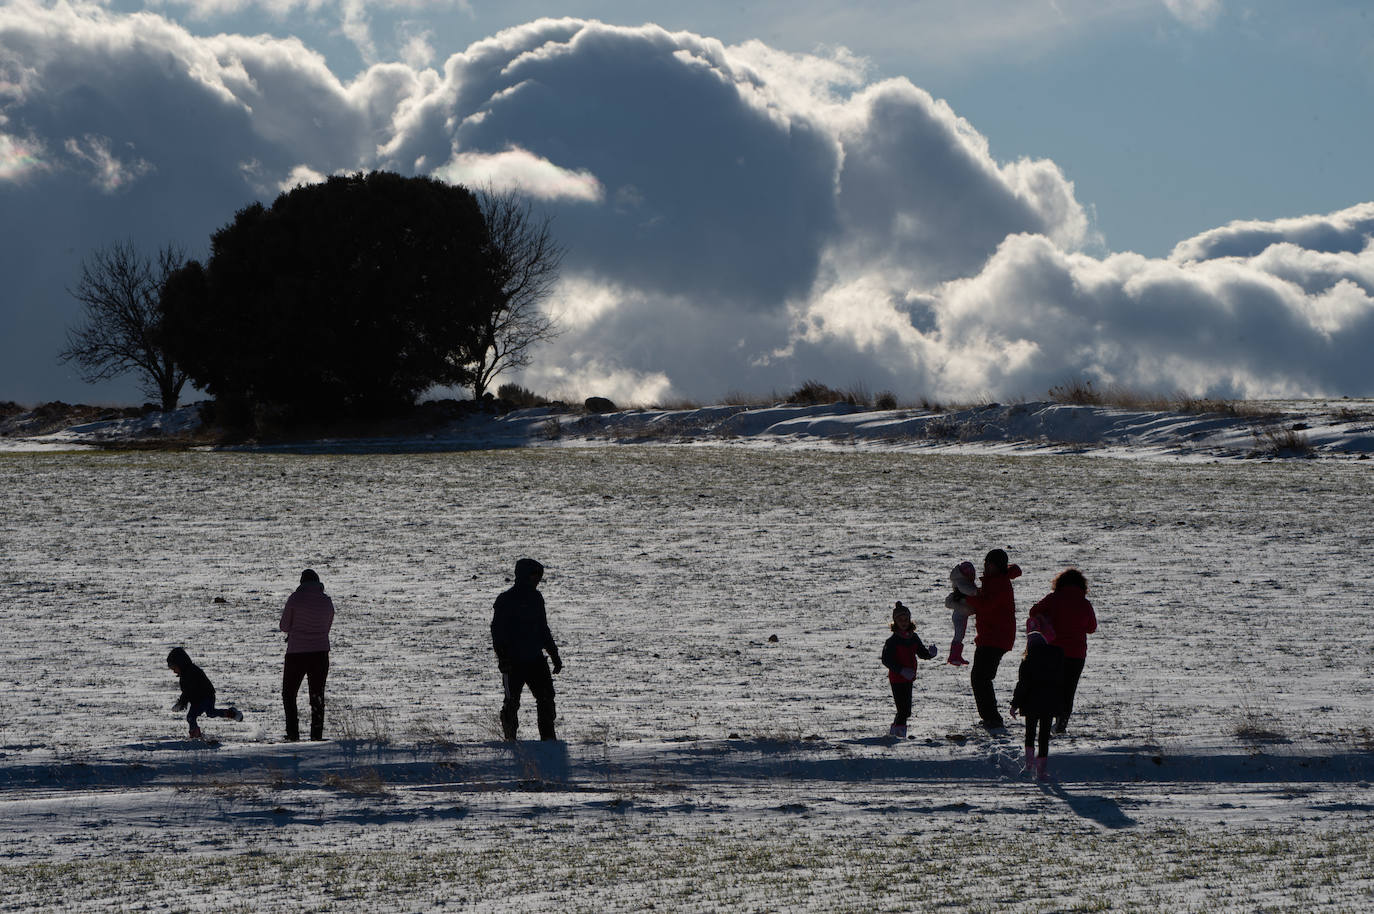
(59, 426)
(1292, 428)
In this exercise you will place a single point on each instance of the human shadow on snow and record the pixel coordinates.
(554, 765)
(1103, 810)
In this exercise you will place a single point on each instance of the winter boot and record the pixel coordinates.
(1042, 769)
(956, 654)
(897, 731)
(195, 733)
(1061, 724)
(236, 714)
(1030, 761)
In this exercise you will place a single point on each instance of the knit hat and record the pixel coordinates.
(967, 570)
(900, 610)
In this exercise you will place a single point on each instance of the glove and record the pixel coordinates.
(908, 674)
(1012, 709)
(934, 651)
(557, 665)
(179, 706)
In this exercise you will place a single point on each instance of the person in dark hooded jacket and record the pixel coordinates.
(520, 636)
(1039, 684)
(197, 692)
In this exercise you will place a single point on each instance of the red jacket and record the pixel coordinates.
(1073, 619)
(900, 651)
(996, 608)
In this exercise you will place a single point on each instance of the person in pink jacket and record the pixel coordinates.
(306, 619)
(1073, 619)
(994, 606)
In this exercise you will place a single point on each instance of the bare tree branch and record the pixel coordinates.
(121, 289)
(526, 260)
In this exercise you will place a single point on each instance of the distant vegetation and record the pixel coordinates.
(519, 397)
(346, 299)
(1082, 393)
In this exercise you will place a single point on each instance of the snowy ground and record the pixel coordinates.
(1222, 756)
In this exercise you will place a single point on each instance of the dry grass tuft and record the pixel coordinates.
(1081, 392)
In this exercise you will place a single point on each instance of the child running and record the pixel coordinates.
(1037, 693)
(900, 653)
(197, 692)
(963, 579)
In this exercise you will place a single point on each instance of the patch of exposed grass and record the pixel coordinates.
(370, 725)
(618, 863)
(367, 782)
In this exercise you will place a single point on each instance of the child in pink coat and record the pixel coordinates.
(963, 579)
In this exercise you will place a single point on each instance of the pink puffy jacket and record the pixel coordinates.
(308, 615)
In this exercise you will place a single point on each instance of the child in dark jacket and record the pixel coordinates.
(900, 653)
(1037, 695)
(197, 692)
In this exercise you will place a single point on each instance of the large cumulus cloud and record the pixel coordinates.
(737, 218)
(1286, 321)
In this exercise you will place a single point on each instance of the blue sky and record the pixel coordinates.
(944, 199)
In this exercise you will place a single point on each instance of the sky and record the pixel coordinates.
(948, 200)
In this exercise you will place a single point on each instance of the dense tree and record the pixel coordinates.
(525, 260)
(348, 297)
(121, 327)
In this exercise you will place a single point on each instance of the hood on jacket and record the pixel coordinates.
(527, 570)
(179, 658)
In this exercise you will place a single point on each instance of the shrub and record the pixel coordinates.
(886, 399)
(1281, 442)
(520, 397)
(814, 393)
(1076, 391)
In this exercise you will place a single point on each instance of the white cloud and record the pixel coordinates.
(1197, 14)
(108, 172)
(351, 18)
(1235, 326)
(20, 158)
(417, 49)
(595, 378)
(300, 176)
(1346, 230)
(519, 170)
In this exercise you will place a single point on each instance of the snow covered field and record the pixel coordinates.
(1221, 756)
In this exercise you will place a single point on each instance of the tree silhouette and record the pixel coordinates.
(121, 328)
(525, 261)
(347, 297)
